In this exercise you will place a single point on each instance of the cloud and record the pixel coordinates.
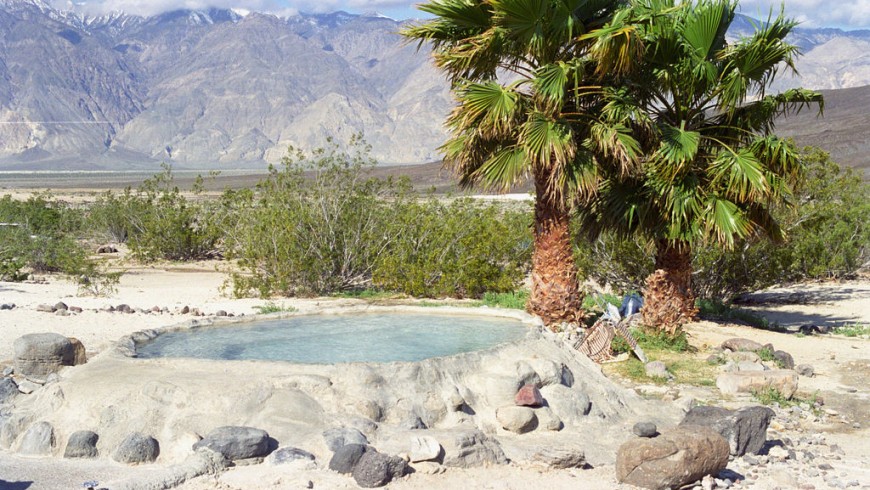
(853, 14)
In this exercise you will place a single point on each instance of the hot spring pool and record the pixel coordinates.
(328, 339)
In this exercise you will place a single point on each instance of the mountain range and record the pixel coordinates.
(221, 88)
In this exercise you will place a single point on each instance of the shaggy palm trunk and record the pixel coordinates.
(555, 295)
(668, 299)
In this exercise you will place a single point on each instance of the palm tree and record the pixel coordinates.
(712, 168)
(526, 110)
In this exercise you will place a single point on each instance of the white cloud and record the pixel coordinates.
(852, 14)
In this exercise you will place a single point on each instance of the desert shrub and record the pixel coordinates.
(158, 221)
(319, 225)
(319, 234)
(462, 249)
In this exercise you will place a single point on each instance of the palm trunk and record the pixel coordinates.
(555, 295)
(668, 299)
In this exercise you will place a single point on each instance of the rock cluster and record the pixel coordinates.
(368, 467)
(746, 372)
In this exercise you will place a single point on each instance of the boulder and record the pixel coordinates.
(40, 354)
(782, 380)
(548, 420)
(8, 391)
(340, 436)
(675, 458)
(744, 429)
(425, 448)
(738, 344)
(645, 429)
(38, 440)
(468, 448)
(288, 455)
(376, 469)
(657, 369)
(137, 448)
(346, 457)
(529, 396)
(805, 370)
(79, 354)
(82, 444)
(517, 419)
(783, 359)
(236, 442)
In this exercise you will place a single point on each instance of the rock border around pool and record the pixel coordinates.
(128, 345)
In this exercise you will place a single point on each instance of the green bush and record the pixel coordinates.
(319, 225)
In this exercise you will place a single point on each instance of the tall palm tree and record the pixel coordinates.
(526, 110)
(712, 168)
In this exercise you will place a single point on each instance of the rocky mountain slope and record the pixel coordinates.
(218, 89)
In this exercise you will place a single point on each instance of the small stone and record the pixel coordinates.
(657, 369)
(414, 422)
(82, 444)
(76, 309)
(221, 313)
(288, 455)
(517, 419)
(424, 448)
(38, 440)
(27, 387)
(645, 429)
(7, 306)
(340, 436)
(60, 306)
(8, 371)
(783, 359)
(137, 448)
(529, 396)
(45, 308)
(155, 309)
(62, 313)
(346, 457)
(778, 453)
(548, 420)
(825, 467)
(185, 310)
(8, 390)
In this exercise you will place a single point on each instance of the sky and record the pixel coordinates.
(845, 14)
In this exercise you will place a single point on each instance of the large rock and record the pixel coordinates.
(237, 442)
(346, 457)
(782, 380)
(744, 429)
(425, 448)
(340, 436)
(40, 354)
(376, 469)
(745, 345)
(137, 448)
(82, 444)
(675, 458)
(8, 390)
(465, 448)
(38, 440)
(517, 419)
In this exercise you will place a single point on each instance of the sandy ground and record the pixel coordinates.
(842, 367)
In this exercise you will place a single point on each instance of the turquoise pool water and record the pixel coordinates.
(329, 339)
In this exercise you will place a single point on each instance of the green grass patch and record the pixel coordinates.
(272, 307)
(597, 302)
(771, 396)
(515, 300)
(367, 294)
(686, 369)
(653, 341)
(853, 330)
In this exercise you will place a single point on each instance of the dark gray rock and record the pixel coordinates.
(375, 469)
(8, 390)
(341, 436)
(783, 359)
(236, 442)
(38, 440)
(60, 306)
(744, 429)
(346, 457)
(805, 370)
(645, 429)
(137, 448)
(40, 354)
(287, 455)
(82, 444)
(675, 458)
(7, 306)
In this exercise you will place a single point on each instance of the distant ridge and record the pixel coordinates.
(224, 88)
